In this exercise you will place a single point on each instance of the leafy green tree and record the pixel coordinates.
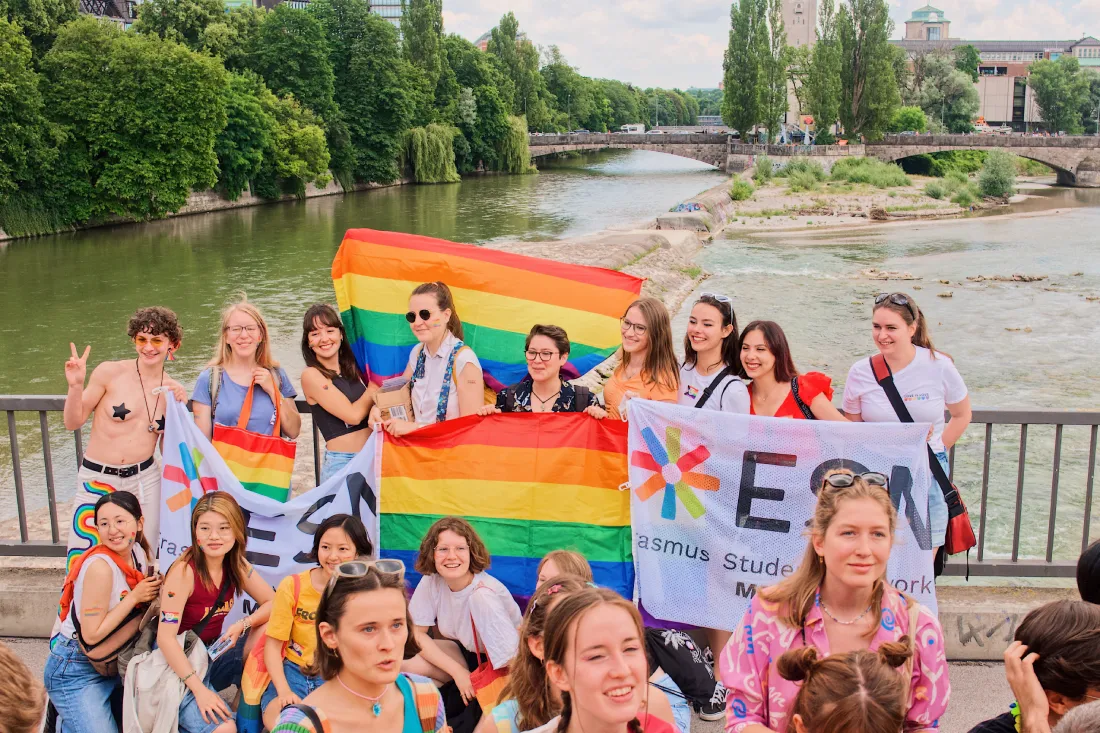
(1090, 110)
(741, 106)
(798, 69)
(967, 59)
(298, 154)
(574, 94)
(183, 21)
(249, 131)
(998, 176)
(39, 19)
(292, 56)
(869, 88)
(1061, 89)
(948, 96)
(773, 68)
(138, 116)
(233, 37)
(24, 135)
(518, 59)
(482, 136)
(908, 118)
(624, 102)
(422, 41)
(823, 81)
(710, 100)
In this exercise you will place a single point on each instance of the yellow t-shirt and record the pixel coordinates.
(616, 387)
(296, 624)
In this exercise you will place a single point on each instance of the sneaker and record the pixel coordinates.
(711, 712)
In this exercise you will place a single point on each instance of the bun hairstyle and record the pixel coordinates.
(561, 632)
(445, 301)
(857, 692)
(731, 344)
(921, 337)
(130, 504)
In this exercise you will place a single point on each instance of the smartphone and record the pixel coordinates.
(220, 647)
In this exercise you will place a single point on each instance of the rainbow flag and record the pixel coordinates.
(499, 296)
(528, 483)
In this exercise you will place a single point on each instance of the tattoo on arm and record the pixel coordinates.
(167, 617)
(93, 612)
(251, 569)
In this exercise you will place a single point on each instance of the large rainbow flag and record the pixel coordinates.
(528, 483)
(499, 296)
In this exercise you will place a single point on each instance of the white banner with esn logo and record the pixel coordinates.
(720, 503)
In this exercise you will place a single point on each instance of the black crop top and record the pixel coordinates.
(332, 426)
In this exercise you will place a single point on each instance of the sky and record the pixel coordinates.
(680, 44)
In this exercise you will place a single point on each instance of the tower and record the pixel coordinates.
(800, 18)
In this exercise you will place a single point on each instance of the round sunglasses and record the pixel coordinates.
(844, 480)
(424, 315)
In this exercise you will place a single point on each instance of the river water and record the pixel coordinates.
(82, 287)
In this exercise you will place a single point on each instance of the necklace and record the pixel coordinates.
(844, 623)
(376, 707)
(156, 405)
(544, 401)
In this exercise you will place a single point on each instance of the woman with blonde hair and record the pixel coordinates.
(197, 595)
(837, 601)
(648, 367)
(242, 362)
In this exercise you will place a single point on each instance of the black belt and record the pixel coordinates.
(123, 472)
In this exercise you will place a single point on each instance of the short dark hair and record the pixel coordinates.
(1088, 573)
(1066, 636)
(155, 320)
(776, 340)
(556, 334)
(479, 554)
(352, 526)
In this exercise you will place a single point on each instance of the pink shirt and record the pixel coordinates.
(758, 695)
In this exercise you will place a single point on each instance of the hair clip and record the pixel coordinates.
(553, 589)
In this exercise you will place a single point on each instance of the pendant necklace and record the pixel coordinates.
(541, 400)
(376, 706)
(152, 423)
(844, 623)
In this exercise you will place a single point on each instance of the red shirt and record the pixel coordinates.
(810, 385)
(199, 604)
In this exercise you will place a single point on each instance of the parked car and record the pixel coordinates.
(582, 132)
(655, 132)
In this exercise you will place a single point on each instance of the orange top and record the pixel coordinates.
(617, 386)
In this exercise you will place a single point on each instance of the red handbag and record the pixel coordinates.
(488, 683)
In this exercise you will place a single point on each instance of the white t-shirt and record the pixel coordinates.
(729, 396)
(927, 385)
(425, 391)
(119, 586)
(485, 600)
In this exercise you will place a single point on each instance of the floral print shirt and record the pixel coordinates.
(758, 695)
(565, 402)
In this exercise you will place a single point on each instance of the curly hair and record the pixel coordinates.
(479, 554)
(155, 320)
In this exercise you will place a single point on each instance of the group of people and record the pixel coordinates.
(833, 647)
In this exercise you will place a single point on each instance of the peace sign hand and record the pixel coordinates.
(77, 366)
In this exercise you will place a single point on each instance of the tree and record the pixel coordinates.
(798, 70)
(234, 36)
(291, 55)
(773, 68)
(869, 89)
(710, 100)
(24, 137)
(947, 95)
(748, 37)
(39, 19)
(1090, 110)
(183, 21)
(908, 119)
(823, 79)
(422, 36)
(481, 137)
(1061, 89)
(249, 131)
(298, 154)
(967, 59)
(998, 176)
(518, 59)
(138, 116)
(624, 102)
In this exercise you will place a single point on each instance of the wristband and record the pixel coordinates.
(247, 625)
(183, 680)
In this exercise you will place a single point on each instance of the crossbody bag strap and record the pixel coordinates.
(215, 386)
(802, 406)
(713, 386)
(311, 715)
(582, 398)
(201, 625)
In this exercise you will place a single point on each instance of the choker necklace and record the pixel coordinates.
(152, 423)
(844, 623)
(376, 708)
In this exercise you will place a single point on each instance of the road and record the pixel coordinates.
(978, 689)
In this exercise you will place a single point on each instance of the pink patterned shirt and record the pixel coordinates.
(758, 695)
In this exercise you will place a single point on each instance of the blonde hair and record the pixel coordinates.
(661, 366)
(795, 595)
(569, 562)
(911, 315)
(264, 356)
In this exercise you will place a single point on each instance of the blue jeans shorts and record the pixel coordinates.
(224, 671)
(300, 683)
(81, 695)
(334, 462)
(937, 506)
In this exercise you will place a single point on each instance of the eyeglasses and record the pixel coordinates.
(896, 299)
(533, 355)
(844, 480)
(359, 568)
(424, 315)
(155, 341)
(627, 326)
(237, 330)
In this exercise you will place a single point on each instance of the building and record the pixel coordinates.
(800, 20)
(388, 9)
(1006, 99)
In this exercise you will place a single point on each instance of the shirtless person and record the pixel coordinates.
(128, 421)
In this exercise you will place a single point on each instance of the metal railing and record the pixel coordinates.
(983, 561)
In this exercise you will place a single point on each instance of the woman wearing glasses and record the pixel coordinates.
(837, 601)
(648, 366)
(926, 379)
(543, 389)
(244, 361)
(363, 633)
(445, 374)
(712, 358)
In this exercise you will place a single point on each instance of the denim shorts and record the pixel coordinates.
(224, 671)
(937, 506)
(300, 683)
(334, 463)
(81, 695)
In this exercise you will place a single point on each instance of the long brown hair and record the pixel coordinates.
(561, 632)
(528, 683)
(234, 563)
(731, 344)
(784, 369)
(660, 367)
(795, 594)
(326, 315)
(921, 337)
(857, 692)
(569, 562)
(445, 301)
(265, 357)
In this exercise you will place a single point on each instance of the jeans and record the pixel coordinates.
(334, 463)
(81, 695)
(937, 506)
(224, 671)
(299, 682)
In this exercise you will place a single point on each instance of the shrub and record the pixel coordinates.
(869, 170)
(762, 172)
(998, 176)
(805, 166)
(741, 190)
(1028, 167)
(825, 137)
(935, 190)
(803, 180)
(954, 179)
(908, 118)
(966, 196)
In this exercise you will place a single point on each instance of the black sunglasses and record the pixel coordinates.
(844, 480)
(897, 299)
(424, 315)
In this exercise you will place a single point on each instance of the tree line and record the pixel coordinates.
(98, 123)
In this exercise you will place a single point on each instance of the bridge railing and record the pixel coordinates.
(991, 141)
(607, 138)
(796, 150)
(981, 466)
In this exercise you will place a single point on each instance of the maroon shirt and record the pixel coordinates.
(199, 604)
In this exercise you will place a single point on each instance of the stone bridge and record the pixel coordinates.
(1076, 160)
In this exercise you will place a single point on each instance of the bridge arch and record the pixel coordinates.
(1040, 155)
(711, 149)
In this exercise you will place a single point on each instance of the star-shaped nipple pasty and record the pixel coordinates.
(120, 411)
(160, 424)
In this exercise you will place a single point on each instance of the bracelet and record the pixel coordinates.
(247, 625)
(188, 677)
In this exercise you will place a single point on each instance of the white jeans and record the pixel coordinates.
(92, 485)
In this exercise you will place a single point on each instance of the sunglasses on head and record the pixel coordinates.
(359, 568)
(844, 480)
(896, 299)
(424, 315)
(723, 299)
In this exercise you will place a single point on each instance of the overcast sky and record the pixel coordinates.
(680, 44)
